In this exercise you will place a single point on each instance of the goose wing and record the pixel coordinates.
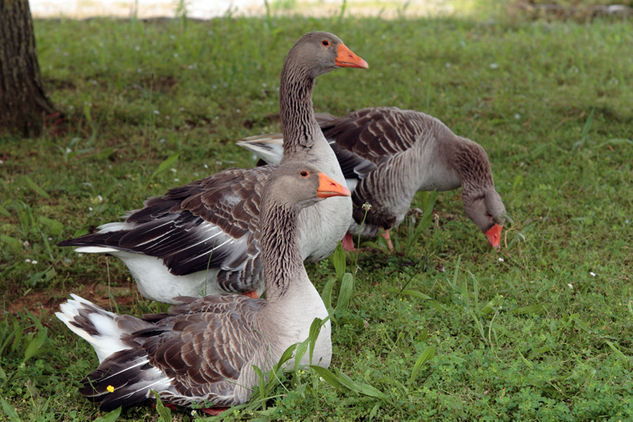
(374, 134)
(194, 353)
(209, 223)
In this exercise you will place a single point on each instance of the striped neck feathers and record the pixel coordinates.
(470, 161)
(280, 250)
(298, 123)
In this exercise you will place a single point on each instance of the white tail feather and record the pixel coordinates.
(267, 147)
(108, 339)
(95, 249)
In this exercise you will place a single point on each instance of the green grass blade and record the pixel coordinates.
(9, 411)
(164, 413)
(5, 212)
(346, 292)
(167, 163)
(427, 354)
(114, 415)
(338, 260)
(425, 221)
(35, 344)
(300, 351)
(34, 187)
(342, 382)
(329, 377)
(315, 329)
(15, 245)
(326, 294)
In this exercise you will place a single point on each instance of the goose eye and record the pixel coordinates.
(304, 173)
(326, 43)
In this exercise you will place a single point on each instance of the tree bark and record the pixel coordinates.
(23, 102)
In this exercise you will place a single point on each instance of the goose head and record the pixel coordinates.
(318, 53)
(297, 184)
(485, 208)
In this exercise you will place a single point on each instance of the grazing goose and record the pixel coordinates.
(388, 154)
(204, 349)
(203, 238)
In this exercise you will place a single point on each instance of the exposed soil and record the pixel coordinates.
(47, 301)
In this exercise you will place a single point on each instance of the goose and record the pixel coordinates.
(388, 154)
(203, 238)
(204, 349)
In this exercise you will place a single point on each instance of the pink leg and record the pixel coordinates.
(348, 243)
(253, 294)
(385, 234)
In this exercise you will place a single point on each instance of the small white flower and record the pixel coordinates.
(34, 262)
(176, 179)
(156, 112)
(501, 259)
(173, 170)
(99, 198)
(591, 273)
(494, 66)
(89, 208)
(206, 166)
(517, 116)
(27, 260)
(571, 286)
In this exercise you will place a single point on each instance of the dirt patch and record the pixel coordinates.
(47, 301)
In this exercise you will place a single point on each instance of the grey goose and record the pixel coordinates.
(388, 154)
(203, 238)
(204, 349)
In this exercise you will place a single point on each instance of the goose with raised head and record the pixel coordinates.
(203, 238)
(204, 349)
(388, 154)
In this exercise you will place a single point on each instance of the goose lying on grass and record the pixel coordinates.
(203, 350)
(388, 154)
(203, 238)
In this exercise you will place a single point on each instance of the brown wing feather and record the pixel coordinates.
(373, 133)
(206, 343)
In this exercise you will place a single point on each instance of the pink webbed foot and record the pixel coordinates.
(348, 243)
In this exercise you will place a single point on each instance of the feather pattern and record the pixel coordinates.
(204, 236)
(388, 154)
(204, 349)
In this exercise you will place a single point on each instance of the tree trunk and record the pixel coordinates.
(23, 102)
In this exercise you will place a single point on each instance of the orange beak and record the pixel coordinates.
(347, 58)
(494, 235)
(328, 187)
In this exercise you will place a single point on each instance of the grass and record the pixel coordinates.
(448, 329)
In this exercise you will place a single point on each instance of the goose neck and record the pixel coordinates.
(298, 123)
(282, 261)
(471, 163)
